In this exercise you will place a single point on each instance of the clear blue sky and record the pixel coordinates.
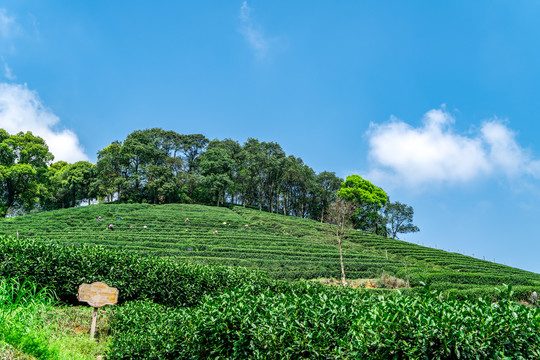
(436, 102)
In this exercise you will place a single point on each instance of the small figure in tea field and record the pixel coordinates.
(111, 227)
(99, 218)
(187, 220)
(534, 297)
(215, 231)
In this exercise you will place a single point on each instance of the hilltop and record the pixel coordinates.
(284, 246)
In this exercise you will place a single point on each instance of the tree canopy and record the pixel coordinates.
(24, 159)
(399, 219)
(159, 166)
(369, 199)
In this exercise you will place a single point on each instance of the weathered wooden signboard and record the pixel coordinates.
(97, 294)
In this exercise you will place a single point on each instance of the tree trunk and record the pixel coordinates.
(271, 197)
(341, 261)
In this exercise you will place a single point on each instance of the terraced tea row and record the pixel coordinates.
(285, 246)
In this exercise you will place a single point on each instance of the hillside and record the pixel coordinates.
(170, 309)
(286, 247)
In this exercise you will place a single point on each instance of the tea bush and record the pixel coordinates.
(163, 280)
(285, 247)
(326, 323)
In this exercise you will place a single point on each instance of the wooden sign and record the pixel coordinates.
(97, 294)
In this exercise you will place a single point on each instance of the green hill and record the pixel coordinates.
(284, 246)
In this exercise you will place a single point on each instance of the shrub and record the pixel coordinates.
(392, 282)
(317, 322)
(163, 280)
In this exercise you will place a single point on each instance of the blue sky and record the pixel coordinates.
(435, 102)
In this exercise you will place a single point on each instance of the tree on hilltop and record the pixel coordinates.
(369, 199)
(399, 219)
(23, 167)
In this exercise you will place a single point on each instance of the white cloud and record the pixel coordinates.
(8, 73)
(252, 33)
(7, 24)
(21, 110)
(433, 153)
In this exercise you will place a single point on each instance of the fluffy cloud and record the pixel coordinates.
(252, 33)
(21, 110)
(434, 153)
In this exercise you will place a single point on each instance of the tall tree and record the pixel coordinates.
(370, 199)
(216, 165)
(142, 148)
(192, 147)
(162, 185)
(80, 176)
(340, 213)
(236, 154)
(52, 191)
(399, 219)
(111, 172)
(23, 166)
(329, 185)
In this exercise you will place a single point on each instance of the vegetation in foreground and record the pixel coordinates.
(225, 312)
(315, 322)
(34, 326)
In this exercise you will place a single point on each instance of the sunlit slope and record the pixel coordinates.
(285, 246)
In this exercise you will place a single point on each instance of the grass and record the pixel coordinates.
(32, 326)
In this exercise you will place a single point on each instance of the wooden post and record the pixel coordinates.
(386, 251)
(17, 235)
(97, 294)
(94, 320)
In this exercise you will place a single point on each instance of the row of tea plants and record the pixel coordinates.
(171, 310)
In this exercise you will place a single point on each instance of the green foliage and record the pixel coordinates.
(67, 184)
(20, 323)
(216, 166)
(286, 247)
(362, 191)
(370, 199)
(211, 312)
(23, 166)
(29, 325)
(315, 322)
(162, 280)
(399, 219)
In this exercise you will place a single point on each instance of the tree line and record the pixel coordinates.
(159, 167)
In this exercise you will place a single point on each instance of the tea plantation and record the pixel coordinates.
(178, 301)
(284, 246)
(173, 310)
